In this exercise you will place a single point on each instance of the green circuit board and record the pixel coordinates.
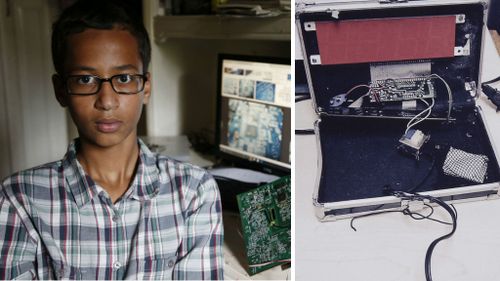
(266, 222)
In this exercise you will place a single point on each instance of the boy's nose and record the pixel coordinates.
(107, 98)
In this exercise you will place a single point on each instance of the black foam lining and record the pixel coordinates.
(360, 158)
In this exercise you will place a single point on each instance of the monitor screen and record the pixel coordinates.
(254, 111)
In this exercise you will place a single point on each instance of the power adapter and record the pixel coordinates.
(412, 141)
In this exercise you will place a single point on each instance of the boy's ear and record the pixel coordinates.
(59, 90)
(147, 88)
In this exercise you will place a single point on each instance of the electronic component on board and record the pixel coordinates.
(266, 222)
(389, 90)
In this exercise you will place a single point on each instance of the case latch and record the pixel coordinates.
(413, 205)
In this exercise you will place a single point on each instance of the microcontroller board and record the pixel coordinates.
(266, 222)
(401, 89)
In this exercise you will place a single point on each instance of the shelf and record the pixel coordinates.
(222, 27)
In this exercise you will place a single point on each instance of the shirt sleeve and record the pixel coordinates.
(201, 256)
(17, 250)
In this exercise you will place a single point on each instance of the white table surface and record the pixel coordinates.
(393, 246)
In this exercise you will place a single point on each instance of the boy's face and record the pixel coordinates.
(106, 118)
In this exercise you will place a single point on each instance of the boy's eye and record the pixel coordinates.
(124, 78)
(86, 79)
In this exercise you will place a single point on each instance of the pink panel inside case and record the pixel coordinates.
(377, 40)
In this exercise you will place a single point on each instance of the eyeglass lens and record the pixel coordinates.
(88, 84)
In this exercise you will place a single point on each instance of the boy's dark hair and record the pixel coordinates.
(106, 14)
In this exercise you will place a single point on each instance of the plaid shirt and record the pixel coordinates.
(57, 223)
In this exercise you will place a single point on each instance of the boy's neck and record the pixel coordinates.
(112, 168)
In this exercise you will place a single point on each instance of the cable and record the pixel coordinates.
(428, 110)
(429, 171)
(357, 87)
(453, 215)
(450, 97)
(302, 98)
(304, 132)
(406, 211)
(491, 81)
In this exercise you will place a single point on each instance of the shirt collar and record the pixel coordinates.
(145, 185)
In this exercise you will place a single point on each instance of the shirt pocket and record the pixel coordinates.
(156, 268)
(15, 268)
(28, 275)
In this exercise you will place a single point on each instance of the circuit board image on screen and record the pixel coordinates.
(255, 128)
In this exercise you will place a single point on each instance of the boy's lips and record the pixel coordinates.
(108, 125)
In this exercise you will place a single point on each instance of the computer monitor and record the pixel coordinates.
(254, 112)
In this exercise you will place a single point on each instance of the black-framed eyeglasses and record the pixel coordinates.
(124, 84)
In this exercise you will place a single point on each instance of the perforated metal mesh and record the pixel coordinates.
(459, 163)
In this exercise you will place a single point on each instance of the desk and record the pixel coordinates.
(392, 246)
(178, 148)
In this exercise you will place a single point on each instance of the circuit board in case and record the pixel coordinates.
(401, 89)
(266, 222)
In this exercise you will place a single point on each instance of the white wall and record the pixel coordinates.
(185, 78)
(34, 122)
(5, 157)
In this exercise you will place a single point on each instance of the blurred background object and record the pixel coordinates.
(494, 22)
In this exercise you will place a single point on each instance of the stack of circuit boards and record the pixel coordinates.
(266, 223)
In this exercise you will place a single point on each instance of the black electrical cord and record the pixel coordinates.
(427, 175)
(303, 131)
(491, 81)
(406, 211)
(417, 216)
(492, 93)
(302, 98)
(428, 255)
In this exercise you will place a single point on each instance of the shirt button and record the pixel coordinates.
(61, 274)
(117, 265)
(116, 218)
(170, 263)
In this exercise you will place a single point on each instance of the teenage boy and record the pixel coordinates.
(110, 209)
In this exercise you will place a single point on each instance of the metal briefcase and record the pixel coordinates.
(394, 85)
